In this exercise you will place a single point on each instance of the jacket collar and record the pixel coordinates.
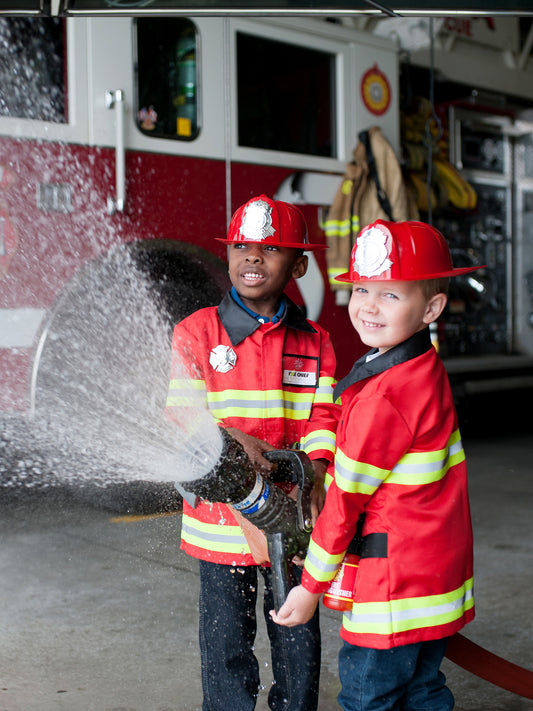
(413, 347)
(239, 324)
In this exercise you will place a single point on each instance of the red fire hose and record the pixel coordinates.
(489, 666)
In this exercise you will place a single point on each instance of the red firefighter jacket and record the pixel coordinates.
(273, 381)
(400, 462)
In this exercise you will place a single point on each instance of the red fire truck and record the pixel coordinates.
(150, 131)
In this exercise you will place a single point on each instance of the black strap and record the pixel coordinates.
(373, 545)
(364, 137)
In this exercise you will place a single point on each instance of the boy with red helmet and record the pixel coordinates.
(268, 377)
(399, 485)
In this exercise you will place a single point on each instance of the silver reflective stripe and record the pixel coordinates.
(427, 467)
(318, 564)
(326, 389)
(395, 616)
(358, 477)
(213, 537)
(314, 440)
(456, 447)
(258, 404)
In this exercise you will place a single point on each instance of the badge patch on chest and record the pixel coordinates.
(222, 358)
(301, 371)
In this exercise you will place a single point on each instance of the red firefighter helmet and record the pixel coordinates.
(269, 221)
(400, 251)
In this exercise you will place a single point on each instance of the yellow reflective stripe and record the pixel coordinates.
(259, 404)
(187, 384)
(337, 228)
(328, 480)
(325, 381)
(260, 395)
(324, 398)
(333, 273)
(414, 613)
(318, 439)
(417, 468)
(211, 536)
(324, 391)
(183, 393)
(321, 564)
(356, 477)
(341, 228)
(413, 469)
(347, 186)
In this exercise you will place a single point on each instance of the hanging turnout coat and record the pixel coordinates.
(273, 381)
(361, 200)
(400, 462)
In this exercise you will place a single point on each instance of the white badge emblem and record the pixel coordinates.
(257, 221)
(222, 358)
(372, 255)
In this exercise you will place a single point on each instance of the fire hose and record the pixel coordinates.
(286, 523)
(490, 667)
(287, 526)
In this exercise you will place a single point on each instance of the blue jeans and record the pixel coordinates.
(228, 625)
(400, 679)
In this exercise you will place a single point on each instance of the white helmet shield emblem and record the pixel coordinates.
(257, 221)
(372, 253)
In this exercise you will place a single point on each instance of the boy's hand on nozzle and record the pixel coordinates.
(297, 609)
(254, 449)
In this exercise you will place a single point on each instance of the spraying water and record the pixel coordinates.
(100, 386)
(101, 369)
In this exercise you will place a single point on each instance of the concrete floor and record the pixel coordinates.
(99, 611)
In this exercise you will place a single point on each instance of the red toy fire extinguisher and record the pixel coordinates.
(339, 595)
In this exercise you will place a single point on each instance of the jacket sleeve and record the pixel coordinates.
(318, 439)
(375, 439)
(186, 391)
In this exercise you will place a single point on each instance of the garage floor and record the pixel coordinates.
(98, 610)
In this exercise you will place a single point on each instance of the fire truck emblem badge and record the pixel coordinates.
(257, 221)
(372, 254)
(375, 91)
(222, 358)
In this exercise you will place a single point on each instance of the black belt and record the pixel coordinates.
(374, 545)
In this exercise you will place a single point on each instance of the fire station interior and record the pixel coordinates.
(478, 220)
(99, 605)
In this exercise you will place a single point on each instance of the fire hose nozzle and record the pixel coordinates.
(295, 466)
(286, 523)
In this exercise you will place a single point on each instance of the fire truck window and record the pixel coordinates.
(286, 97)
(167, 78)
(32, 68)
